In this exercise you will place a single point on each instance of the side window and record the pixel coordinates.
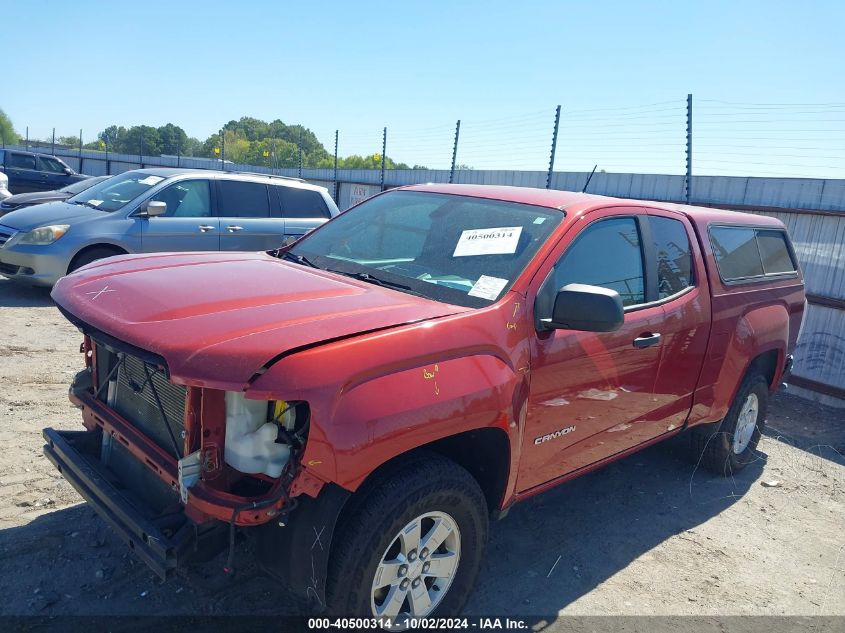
(736, 252)
(302, 203)
(239, 199)
(607, 254)
(52, 165)
(188, 198)
(20, 161)
(674, 256)
(774, 252)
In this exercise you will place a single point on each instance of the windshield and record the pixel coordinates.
(82, 185)
(457, 249)
(115, 192)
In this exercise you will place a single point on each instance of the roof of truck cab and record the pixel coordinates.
(576, 204)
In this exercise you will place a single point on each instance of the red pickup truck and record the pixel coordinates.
(363, 401)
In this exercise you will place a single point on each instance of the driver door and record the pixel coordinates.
(592, 393)
(189, 224)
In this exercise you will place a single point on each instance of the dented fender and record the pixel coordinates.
(373, 398)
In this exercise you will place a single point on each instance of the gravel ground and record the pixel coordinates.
(649, 535)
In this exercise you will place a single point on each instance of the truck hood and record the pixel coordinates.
(30, 218)
(219, 318)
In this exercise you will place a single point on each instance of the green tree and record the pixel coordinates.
(7, 130)
(173, 139)
(250, 128)
(142, 139)
(192, 147)
(70, 141)
(114, 139)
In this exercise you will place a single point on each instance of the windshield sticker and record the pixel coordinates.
(150, 180)
(496, 241)
(488, 287)
(95, 203)
(539, 220)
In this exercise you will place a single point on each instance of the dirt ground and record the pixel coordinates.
(649, 535)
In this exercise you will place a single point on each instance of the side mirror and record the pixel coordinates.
(153, 208)
(586, 308)
(68, 171)
(290, 240)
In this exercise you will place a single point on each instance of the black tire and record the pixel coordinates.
(426, 482)
(712, 444)
(92, 255)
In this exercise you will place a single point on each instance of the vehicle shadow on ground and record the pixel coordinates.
(17, 295)
(809, 426)
(560, 545)
(547, 553)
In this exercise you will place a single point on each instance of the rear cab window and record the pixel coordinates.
(674, 256)
(745, 253)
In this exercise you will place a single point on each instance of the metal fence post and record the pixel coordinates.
(455, 152)
(335, 164)
(27, 138)
(554, 147)
(383, 158)
(688, 179)
(80, 151)
(108, 163)
(141, 147)
(223, 149)
(53, 145)
(300, 151)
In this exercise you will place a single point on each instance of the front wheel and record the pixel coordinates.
(729, 446)
(411, 546)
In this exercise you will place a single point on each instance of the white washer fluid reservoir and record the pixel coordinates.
(250, 440)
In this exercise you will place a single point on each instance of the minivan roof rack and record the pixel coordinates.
(258, 173)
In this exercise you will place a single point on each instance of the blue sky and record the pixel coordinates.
(621, 70)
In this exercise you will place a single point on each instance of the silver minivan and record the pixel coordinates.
(151, 210)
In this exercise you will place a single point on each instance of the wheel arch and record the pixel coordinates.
(484, 452)
(116, 249)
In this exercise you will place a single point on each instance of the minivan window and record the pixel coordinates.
(239, 199)
(774, 252)
(674, 255)
(607, 254)
(186, 198)
(302, 203)
(116, 192)
(21, 161)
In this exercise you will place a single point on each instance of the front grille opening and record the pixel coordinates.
(136, 391)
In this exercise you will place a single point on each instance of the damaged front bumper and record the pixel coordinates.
(163, 541)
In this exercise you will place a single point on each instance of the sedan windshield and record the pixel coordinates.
(456, 249)
(115, 192)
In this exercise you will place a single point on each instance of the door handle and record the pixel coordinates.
(205, 228)
(647, 339)
(233, 227)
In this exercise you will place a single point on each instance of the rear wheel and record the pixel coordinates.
(92, 255)
(412, 545)
(727, 447)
